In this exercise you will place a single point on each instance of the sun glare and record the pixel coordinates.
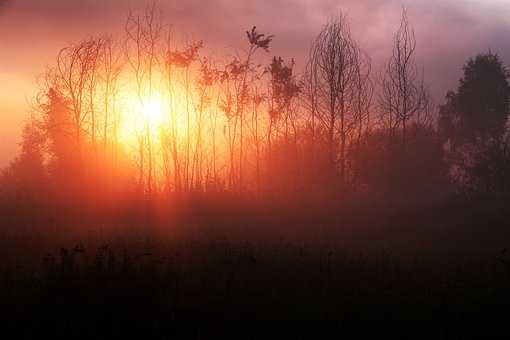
(139, 117)
(153, 112)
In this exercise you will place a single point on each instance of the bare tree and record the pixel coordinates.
(403, 94)
(71, 78)
(184, 60)
(236, 96)
(310, 93)
(283, 90)
(143, 34)
(332, 78)
(363, 97)
(111, 68)
(256, 41)
(93, 51)
(257, 100)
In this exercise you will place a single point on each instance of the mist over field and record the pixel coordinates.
(167, 162)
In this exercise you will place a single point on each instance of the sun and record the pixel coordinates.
(148, 116)
(152, 110)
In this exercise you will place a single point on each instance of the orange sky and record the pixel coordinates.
(448, 31)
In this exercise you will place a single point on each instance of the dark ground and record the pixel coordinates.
(361, 275)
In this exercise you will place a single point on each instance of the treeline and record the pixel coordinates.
(145, 114)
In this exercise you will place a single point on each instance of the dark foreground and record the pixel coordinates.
(203, 289)
(225, 271)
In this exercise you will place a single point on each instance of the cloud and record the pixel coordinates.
(448, 31)
(2, 4)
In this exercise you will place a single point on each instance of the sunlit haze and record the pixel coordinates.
(32, 33)
(167, 163)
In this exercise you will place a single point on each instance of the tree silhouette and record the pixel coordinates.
(335, 60)
(480, 107)
(27, 171)
(57, 125)
(403, 95)
(282, 90)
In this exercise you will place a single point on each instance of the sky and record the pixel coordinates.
(447, 32)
